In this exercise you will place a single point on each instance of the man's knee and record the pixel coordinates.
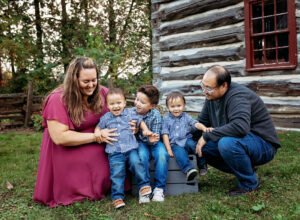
(226, 145)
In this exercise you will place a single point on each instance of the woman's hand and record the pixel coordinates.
(98, 135)
(107, 134)
(133, 127)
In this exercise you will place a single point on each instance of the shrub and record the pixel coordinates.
(37, 121)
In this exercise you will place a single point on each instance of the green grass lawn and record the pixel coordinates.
(279, 197)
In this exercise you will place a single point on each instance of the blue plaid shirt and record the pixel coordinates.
(153, 121)
(178, 128)
(126, 139)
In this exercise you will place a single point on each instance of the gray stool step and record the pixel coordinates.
(176, 183)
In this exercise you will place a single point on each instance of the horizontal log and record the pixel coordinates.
(285, 85)
(236, 68)
(290, 121)
(7, 108)
(38, 99)
(206, 21)
(281, 85)
(37, 107)
(160, 1)
(180, 9)
(12, 95)
(283, 109)
(9, 102)
(228, 52)
(12, 117)
(197, 39)
(10, 111)
(4, 125)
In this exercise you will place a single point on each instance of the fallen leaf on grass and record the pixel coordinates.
(9, 185)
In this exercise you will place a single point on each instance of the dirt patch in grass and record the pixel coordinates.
(9, 130)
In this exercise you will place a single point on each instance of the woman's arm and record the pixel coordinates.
(62, 135)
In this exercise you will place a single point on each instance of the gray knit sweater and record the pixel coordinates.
(237, 113)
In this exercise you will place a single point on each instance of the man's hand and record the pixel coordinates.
(210, 129)
(199, 146)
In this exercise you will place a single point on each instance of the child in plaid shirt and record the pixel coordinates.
(151, 146)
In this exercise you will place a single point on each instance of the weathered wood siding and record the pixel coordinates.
(191, 35)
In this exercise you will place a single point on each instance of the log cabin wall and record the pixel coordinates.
(191, 35)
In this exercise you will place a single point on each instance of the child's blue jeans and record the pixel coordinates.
(117, 164)
(182, 155)
(161, 161)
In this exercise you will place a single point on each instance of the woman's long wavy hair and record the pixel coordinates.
(73, 98)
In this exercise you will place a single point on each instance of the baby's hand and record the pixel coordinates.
(147, 133)
(153, 138)
(170, 152)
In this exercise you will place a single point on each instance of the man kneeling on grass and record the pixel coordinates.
(243, 137)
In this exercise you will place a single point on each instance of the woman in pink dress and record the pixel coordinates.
(72, 165)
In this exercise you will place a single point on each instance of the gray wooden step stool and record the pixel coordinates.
(176, 183)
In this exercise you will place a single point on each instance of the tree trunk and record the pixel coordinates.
(39, 33)
(84, 6)
(112, 70)
(1, 78)
(64, 34)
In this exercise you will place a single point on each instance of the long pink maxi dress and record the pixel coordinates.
(69, 174)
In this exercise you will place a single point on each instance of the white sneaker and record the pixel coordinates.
(158, 195)
(144, 194)
(144, 199)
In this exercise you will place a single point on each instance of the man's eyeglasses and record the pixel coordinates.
(208, 89)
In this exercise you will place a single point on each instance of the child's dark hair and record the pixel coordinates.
(151, 92)
(174, 95)
(115, 91)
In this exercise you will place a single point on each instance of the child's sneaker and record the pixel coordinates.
(118, 203)
(158, 195)
(191, 174)
(144, 194)
(203, 170)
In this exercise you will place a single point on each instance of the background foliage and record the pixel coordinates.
(38, 38)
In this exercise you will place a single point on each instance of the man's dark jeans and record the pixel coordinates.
(239, 156)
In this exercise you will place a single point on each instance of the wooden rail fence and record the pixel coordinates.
(16, 108)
